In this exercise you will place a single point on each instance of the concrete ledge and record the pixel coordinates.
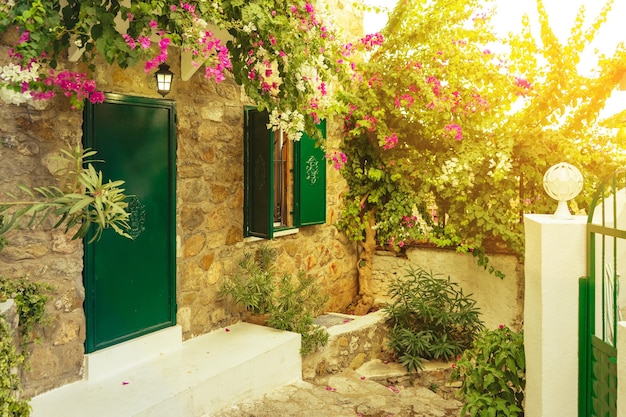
(205, 374)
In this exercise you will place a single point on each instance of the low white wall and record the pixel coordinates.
(501, 301)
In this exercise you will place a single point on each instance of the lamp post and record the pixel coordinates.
(164, 79)
(563, 182)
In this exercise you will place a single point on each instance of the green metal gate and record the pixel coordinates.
(600, 304)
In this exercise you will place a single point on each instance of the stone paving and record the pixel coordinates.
(347, 394)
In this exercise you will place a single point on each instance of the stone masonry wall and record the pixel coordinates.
(209, 214)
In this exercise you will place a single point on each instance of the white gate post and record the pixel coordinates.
(555, 259)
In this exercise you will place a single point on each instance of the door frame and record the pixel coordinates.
(88, 258)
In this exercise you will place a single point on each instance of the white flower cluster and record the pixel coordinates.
(270, 75)
(290, 122)
(13, 97)
(14, 74)
(454, 173)
(500, 167)
(249, 28)
(308, 76)
(7, 5)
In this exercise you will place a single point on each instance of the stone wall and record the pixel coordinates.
(209, 214)
(500, 301)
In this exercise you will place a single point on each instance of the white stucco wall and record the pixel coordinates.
(554, 262)
(501, 301)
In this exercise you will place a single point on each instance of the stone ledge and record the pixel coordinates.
(353, 340)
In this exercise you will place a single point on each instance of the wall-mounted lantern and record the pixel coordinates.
(164, 79)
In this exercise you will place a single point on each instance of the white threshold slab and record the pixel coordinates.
(114, 359)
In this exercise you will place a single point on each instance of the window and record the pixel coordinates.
(285, 181)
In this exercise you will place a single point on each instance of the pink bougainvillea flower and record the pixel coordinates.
(97, 97)
(458, 131)
(390, 141)
(129, 41)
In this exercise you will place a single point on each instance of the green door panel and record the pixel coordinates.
(259, 175)
(130, 284)
(312, 181)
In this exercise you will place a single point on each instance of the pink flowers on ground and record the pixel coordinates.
(390, 141)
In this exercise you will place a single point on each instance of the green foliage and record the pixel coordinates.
(85, 200)
(10, 405)
(295, 307)
(430, 318)
(493, 374)
(290, 304)
(30, 301)
(476, 129)
(253, 285)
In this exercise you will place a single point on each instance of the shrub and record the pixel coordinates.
(30, 302)
(430, 318)
(290, 304)
(493, 374)
(253, 284)
(296, 306)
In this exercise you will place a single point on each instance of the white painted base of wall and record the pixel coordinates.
(203, 375)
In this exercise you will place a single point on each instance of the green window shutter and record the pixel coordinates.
(311, 192)
(259, 172)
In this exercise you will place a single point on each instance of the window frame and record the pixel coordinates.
(308, 195)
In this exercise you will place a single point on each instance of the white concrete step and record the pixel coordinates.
(203, 375)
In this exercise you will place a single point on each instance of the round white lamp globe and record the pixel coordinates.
(563, 182)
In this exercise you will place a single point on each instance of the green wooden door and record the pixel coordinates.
(130, 284)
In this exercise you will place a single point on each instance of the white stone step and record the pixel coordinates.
(203, 375)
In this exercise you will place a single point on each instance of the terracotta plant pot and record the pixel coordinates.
(259, 319)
